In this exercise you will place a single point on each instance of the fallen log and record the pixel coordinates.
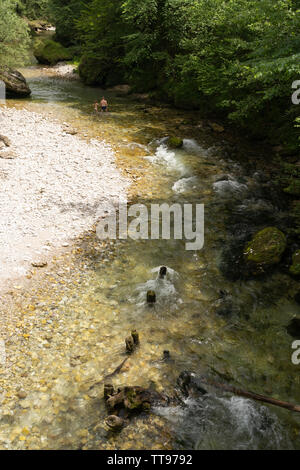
(251, 395)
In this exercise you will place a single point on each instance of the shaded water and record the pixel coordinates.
(93, 304)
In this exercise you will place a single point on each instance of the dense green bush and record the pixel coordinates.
(33, 9)
(64, 14)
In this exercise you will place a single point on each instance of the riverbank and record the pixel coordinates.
(52, 183)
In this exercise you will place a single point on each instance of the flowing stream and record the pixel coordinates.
(91, 304)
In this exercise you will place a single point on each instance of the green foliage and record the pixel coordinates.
(157, 29)
(244, 56)
(64, 13)
(33, 9)
(14, 35)
(234, 57)
(101, 29)
(50, 52)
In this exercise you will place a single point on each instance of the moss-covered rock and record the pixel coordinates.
(49, 52)
(295, 267)
(266, 248)
(175, 142)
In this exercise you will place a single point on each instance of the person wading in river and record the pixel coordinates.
(104, 105)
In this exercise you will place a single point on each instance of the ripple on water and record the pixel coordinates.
(215, 423)
(186, 185)
(170, 159)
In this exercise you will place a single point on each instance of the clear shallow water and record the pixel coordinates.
(95, 303)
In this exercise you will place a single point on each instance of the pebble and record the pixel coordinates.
(39, 264)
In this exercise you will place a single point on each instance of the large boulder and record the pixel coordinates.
(15, 83)
(265, 249)
(50, 52)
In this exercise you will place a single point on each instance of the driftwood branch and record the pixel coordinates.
(109, 376)
(132, 342)
(117, 370)
(251, 395)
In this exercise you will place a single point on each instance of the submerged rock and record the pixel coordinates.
(265, 249)
(175, 142)
(15, 83)
(21, 394)
(115, 423)
(189, 384)
(295, 267)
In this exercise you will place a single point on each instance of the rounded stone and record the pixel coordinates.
(266, 247)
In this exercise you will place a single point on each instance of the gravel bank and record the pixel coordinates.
(50, 191)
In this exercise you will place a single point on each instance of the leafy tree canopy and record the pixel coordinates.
(14, 37)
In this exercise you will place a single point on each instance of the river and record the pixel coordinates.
(96, 297)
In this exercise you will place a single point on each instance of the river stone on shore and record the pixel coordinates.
(15, 83)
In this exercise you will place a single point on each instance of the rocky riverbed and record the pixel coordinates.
(65, 330)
